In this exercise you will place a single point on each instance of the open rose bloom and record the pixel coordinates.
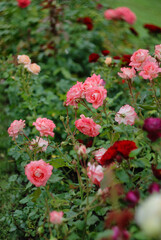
(23, 3)
(23, 59)
(87, 126)
(56, 217)
(38, 172)
(16, 128)
(45, 126)
(99, 153)
(33, 68)
(75, 94)
(126, 115)
(95, 173)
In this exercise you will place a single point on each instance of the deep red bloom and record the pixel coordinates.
(121, 218)
(124, 147)
(133, 31)
(87, 21)
(105, 52)
(152, 28)
(99, 6)
(23, 3)
(154, 187)
(93, 57)
(116, 57)
(126, 59)
(119, 150)
(120, 234)
(156, 172)
(109, 156)
(153, 127)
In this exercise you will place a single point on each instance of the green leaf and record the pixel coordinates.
(34, 196)
(92, 220)
(122, 175)
(135, 152)
(58, 163)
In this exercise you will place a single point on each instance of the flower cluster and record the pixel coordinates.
(118, 151)
(31, 67)
(120, 13)
(87, 21)
(92, 90)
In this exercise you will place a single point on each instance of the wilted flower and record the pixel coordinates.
(40, 143)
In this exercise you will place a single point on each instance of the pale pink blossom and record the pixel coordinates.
(82, 150)
(95, 173)
(126, 14)
(44, 126)
(127, 73)
(158, 52)
(23, 59)
(138, 58)
(96, 96)
(111, 14)
(56, 217)
(39, 143)
(108, 60)
(90, 82)
(74, 94)
(33, 68)
(38, 172)
(150, 70)
(99, 153)
(87, 126)
(15, 128)
(126, 115)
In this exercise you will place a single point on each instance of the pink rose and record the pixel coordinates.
(127, 73)
(39, 143)
(45, 126)
(33, 68)
(90, 82)
(150, 70)
(87, 126)
(126, 14)
(96, 96)
(111, 14)
(138, 58)
(95, 173)
(38, 172)
(23, 3)
(23, 59)
(15, 128)
(74, 94)
(56, 217)
(126, 115)
(158, 52)
(99, 153)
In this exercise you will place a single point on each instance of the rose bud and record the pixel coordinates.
(133, 197)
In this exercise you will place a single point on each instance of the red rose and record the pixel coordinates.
(124, 147)
(23, 3)
(105, 52)
(152, 28)
(93, 57)
(109, 156)
(156, 172)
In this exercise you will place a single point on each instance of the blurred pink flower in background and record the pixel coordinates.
(127, 73)
(150, 70)
(56, 217)
(158, 52)
(33, 68)
(23, 59)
